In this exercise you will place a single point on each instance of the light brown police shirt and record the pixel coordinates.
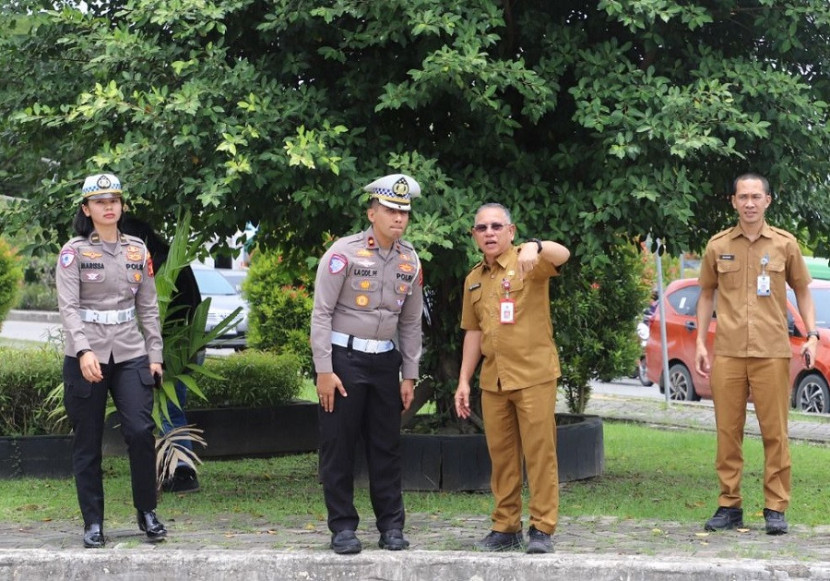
(88, 276)
(518, 355)
(369, 293)
(750, 325)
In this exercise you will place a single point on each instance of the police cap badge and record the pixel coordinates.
(394, 191)
(101, 186)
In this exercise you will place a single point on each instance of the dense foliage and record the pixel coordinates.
(11, 278)
(27, 376)
(280, 314)
(595, 122)
(250, 378)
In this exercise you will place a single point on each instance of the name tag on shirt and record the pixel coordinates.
(763, 285)
(508, 312)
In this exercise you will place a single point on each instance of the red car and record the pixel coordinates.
(809, 386)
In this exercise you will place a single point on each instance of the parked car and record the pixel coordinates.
(809, 386)
(224, 299)
(236, 277)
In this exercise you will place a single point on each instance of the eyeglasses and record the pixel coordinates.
(494, 226)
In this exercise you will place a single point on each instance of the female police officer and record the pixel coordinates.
(106, 292)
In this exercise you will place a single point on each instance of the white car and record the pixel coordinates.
(224, 299)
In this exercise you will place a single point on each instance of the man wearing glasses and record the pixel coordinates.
(506, 318)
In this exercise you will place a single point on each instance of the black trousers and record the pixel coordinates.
(372, 411)
(131, 386)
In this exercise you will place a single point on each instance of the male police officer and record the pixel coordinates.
(368, 292)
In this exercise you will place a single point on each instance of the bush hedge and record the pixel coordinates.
(251, 378)
(280, 315)
(11, 277)
(26, 378)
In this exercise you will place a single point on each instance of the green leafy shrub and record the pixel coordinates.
(250, 378)
(595, 308)
(39, 292)
(280, 315)
(11, 276)
(38, 297)
(26, 378)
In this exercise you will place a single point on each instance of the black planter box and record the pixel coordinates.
(242, 432)
(461, 462)
(35, 456)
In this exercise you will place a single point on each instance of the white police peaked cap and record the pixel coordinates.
(394, 191)
(101, 186)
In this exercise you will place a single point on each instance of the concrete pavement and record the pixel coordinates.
(595, 548)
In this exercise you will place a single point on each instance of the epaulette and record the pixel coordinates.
(406, 245)
(783, 233)
(723, 233)
(76, 240)
(130, 239)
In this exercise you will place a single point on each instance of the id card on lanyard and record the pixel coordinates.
(763, 279)
(507, 306)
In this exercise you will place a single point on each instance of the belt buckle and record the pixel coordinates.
(372, 345)
(96, 316)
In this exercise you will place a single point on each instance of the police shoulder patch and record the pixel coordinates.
(67, 257)
(337, 263)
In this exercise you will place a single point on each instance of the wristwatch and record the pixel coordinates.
(82, 351)
(538, 244)
(812, 334)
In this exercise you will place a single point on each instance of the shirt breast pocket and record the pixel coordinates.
(729, 274)
(777, 277)
(365, 293)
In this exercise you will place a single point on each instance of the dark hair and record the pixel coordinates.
(751, 176)
(82, 224)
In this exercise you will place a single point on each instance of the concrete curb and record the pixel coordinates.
(34, 316)
(382, 565)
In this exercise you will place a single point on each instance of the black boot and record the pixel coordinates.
(151, 525)
(93, 536)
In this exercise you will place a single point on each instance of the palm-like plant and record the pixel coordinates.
(182, 343)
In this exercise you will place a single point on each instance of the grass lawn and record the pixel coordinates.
(650, 474)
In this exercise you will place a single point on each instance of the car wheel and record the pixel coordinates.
(812, 395)
(642, 372)
(681, 387)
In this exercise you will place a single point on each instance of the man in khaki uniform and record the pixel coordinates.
(750, 266)
(506, 318)
(366, 344)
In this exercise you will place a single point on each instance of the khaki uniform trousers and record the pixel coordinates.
(517, 420)
(767, 379)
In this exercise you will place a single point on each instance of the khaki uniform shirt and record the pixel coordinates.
(89, 276)
(359, 291)
(750, 325)
(518, 355)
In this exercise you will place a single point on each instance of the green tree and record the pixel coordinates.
(594, 122)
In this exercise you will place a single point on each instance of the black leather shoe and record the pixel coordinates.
(345, 543)
(725, 518)
(497, 541)
(538, 542)
(151, 525)
(93, 536)
(393, 540)
(776, 524)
